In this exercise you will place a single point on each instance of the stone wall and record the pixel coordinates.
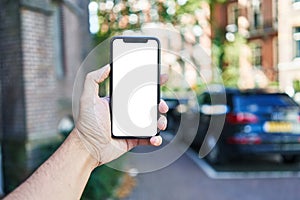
(42, 44)
(38, 74)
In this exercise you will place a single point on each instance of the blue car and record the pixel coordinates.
(253, 122)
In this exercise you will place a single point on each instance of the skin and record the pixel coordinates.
(65, 174)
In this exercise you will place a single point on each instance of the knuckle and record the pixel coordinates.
(89, 76)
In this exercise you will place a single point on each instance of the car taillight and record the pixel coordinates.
(241, 118)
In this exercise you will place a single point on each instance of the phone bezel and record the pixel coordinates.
(133, 39)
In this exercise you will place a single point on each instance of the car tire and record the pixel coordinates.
(215, 156)
(289, 158)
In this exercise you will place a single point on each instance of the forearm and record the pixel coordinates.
(63, 176)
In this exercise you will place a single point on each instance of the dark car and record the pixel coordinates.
(177, 106)
(253, 122)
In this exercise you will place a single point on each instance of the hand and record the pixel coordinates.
(94, 125)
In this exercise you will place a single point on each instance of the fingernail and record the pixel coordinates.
(154, 140)
(161, 123)
(166, 107)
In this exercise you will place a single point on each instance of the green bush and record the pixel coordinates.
(296, 85)
(102, 183)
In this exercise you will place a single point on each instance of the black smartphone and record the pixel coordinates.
(134, 86)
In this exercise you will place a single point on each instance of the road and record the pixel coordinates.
(185, 179)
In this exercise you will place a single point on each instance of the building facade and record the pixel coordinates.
(257, 22)
(289, 44)
(42, 44)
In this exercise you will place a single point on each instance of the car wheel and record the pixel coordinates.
(288, 158)
(214, 156)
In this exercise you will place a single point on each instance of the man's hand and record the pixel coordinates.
(94, 126)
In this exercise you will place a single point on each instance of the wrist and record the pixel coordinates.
(87, 158)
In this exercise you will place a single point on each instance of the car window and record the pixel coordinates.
(204, 99)
(216, 98)
(261, 102)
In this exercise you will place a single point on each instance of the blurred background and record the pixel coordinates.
(253, 45)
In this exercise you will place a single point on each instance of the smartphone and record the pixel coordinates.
(134, 86)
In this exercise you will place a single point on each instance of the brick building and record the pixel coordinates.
(289, 43)
(257, 21)
(42, 44)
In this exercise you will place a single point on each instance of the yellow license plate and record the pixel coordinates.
(278, 127)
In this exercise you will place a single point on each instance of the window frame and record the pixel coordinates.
(257, 45)
(296, 42)
(256, 22)
(233, 13)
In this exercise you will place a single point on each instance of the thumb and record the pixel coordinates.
(92, 80)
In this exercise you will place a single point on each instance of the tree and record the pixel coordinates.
(124, 15)
(187, 16)
(231, 60)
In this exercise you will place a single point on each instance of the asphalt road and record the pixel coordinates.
(189, 178)
(184, 180)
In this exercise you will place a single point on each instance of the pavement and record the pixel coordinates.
(185, 179)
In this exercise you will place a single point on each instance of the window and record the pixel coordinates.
(256, 14)
(275, 12)
(296, 4)
(261, 103)
(59, 53)
(275, 52)
(233, 13)
(296, 37)
(257, 55)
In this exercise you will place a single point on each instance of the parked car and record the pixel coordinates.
(255, 122)
(177, 106)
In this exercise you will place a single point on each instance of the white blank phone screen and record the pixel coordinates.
(134, 95)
